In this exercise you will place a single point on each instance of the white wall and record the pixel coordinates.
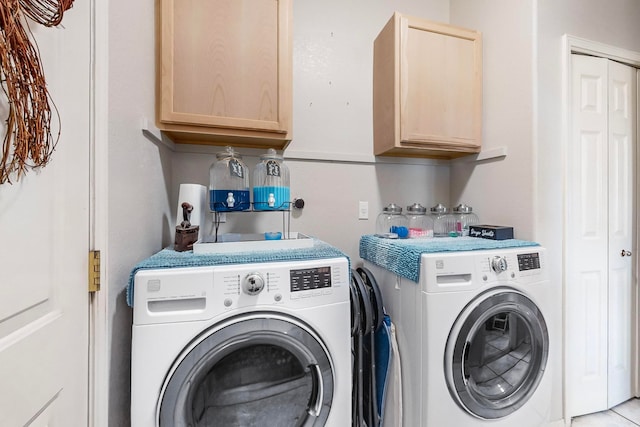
(331, 191)
(332, 75)
(139, 180)
(332, 119)
(500, 190)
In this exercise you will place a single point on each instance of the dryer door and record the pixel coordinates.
(253, 371)
(496, 353)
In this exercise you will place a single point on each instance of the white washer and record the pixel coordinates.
(251, 344)
(479, 339)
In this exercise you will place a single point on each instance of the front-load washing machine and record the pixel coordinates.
(479, 339)
(263, 344)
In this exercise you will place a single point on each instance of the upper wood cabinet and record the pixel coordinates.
(224, 72)
(427, 89)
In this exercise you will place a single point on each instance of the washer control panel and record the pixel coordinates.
(295, 284)
(451, 271)
(184, 294)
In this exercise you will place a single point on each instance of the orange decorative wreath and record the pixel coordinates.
(28, 142)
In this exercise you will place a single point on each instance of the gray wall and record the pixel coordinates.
(139, 181)
(333, 48)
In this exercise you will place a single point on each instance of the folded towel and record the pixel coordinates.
(168, 258)
(402, 256)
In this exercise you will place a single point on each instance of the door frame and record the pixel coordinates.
(99, 348)
(573, 45)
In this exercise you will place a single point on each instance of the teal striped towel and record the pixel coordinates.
(168, 258)
(402, 256)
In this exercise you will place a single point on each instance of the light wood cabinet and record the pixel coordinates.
(427, 89)
(224, 72)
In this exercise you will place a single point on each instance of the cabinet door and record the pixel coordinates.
(440, 83)
(427, 89)
(225, 64)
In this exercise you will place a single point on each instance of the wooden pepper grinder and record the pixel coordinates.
(186, 234)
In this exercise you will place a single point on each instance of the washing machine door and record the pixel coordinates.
(256, 370)
(496, 353)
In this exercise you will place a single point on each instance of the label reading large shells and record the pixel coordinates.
(236, 169)
(273, 168)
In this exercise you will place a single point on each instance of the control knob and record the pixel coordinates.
(499, 264)
(253, 284)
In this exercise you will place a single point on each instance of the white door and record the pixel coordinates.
(600, 183)
(44, 227)
(622, 155)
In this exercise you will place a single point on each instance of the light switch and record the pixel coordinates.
(363, 210)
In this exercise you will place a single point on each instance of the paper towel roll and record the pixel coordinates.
(196, 195)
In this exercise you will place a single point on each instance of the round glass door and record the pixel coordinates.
(496, 353)
(253, 372)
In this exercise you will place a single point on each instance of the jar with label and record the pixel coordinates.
(443, 220)
(464, 217)
(420, 224)
(229, 183)
(271, 190)
(391, 220)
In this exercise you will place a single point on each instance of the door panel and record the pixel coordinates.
(622, 99)
(44, 224)
(587, 239)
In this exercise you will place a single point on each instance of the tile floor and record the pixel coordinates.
(626, 414)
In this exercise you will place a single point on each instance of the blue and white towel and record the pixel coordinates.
(168, 258)
(402, 256)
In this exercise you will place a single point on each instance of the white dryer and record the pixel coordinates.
(479, 339)
(245, 345)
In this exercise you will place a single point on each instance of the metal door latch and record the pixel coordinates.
(625, 253)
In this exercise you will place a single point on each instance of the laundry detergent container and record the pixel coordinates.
(229, 183)
(271, 191)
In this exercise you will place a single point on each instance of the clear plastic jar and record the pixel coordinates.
(420, 224)
(443, 220)
(464, 217)
(229, 183)
(391, 220)
(271, 190)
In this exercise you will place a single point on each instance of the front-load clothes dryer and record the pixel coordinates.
(263, 344)
(479, 339)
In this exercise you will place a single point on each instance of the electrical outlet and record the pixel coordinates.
(363, 210)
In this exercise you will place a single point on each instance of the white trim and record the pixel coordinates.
(490, 154)
(636, 293)
(535, 122)
(99, 198)
(566, 132)
(589, 47)
(156, 136)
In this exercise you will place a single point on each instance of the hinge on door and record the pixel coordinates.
(94, 271)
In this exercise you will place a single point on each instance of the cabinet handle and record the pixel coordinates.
(625, 253)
